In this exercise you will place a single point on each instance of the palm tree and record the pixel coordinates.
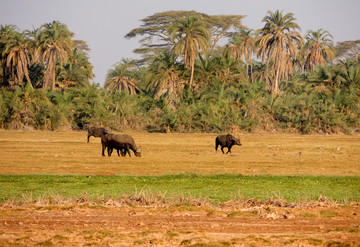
(164, 77)
(243, 45)
(6, 33)
(121, 78)
(54, 44)
(318, 48)
(227, 70)
(349, 74)
(190, 37)
(17, 53)
(278, 42)
(326, 75)
(77, 71)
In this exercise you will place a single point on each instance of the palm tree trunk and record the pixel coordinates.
(192, 71)
(267, 76)
(251, 71)
(53, 73)
(275, 85)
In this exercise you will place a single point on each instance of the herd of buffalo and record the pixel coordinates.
(124, 143)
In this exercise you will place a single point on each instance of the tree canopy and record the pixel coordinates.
(198, 72)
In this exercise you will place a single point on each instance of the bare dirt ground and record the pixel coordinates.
(180, 226)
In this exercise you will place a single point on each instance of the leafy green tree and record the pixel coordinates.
(122, 78)
(318, 48)
(54, 44)
(278, 42)
(191, 37)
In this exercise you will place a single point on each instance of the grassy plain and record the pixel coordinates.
(68, 153)
(280, 166)
(172, 195)
(212, 189)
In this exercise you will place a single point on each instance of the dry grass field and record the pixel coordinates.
(83, 223)
(67, 152)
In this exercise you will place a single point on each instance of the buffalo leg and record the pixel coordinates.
(110, 150)
(127, 150)
(103, 149)
(222, 149)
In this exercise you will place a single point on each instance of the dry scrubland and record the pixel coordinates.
(67, 152)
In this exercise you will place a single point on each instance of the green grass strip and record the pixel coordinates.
(219, 188)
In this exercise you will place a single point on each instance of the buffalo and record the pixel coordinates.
(96, 132)
(226, 141)
(119, 142)
(120, 151)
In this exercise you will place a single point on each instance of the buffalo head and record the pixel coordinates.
(235, 141)
(138, 152)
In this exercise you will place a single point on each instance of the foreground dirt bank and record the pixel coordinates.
(114, 226)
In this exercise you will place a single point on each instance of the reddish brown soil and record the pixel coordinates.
(179, 226)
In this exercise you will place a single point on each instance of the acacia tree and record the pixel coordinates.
(222, 26)
(54, 44)
(190, 37)
(156, 39)
(349, 48)
(278, 43)
(318, 48)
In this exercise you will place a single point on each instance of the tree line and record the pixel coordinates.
(197, 72)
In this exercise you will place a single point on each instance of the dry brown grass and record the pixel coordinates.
(67, 152)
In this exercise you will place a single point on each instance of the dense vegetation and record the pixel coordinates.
(197, 73)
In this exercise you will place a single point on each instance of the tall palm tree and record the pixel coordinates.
(121, 78)
(54, 44)
(190, 37)
(17, 52)
(6, 33)
(278, 42)
(243, 45)
(318, 48)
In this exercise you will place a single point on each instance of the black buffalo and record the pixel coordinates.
(226, 141)
(120, 151)
(96, 132)
(119, 142)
